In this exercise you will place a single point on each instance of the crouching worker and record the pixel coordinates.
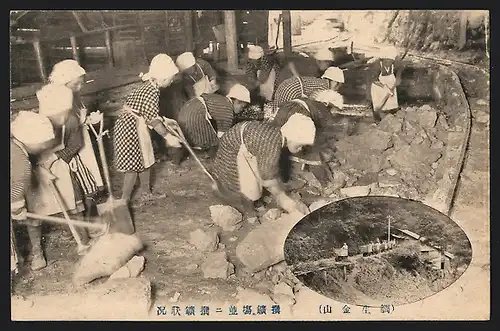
(384, 89)
(248, 160)
(198, 75)
(317, 108)
(31, 133)
(205, 119)
(133, 149)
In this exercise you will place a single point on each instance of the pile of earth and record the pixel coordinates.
(401, 156)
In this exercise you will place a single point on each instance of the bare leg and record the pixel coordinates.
(35, 235)
(145, 178)
(129, 180)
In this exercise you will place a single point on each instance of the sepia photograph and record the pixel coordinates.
(249, 165)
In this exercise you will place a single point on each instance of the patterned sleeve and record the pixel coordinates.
(20, 172)
(251, 71)
(73, 140)
(286, 91)
(188, 87)
(266, 65)
(207, 69)
(151, 105)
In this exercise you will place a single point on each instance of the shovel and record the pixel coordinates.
(179, 135)
(116, 213)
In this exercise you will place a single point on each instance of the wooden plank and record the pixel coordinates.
(462, 38)
(98, 81)
(323, 264)
(188, 30)
(39, 58)
(166, 29)
(79, 21)
(74, 49)
(231, 39)
(287, 32)
(109, 48)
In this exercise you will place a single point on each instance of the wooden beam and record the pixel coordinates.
(167, 29)
(287, 32)
(188, 26)
(74, 49)
(109, 48)
(462, 38)
(231, 39)
(39, 59)
(79, 21)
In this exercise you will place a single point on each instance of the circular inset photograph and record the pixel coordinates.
(377, 250)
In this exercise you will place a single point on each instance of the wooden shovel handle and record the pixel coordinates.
(66, 221)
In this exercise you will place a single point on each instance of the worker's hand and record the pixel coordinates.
(45, 175)
(48, 161)
(19, 215)
(214, 86)
(171, 141)
(95, 118)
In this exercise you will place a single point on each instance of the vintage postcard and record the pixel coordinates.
(234, 165)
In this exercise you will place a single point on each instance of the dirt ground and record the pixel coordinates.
(173, 265)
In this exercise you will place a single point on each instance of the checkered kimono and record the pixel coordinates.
(291, 89)
(127, 149)
(189, 81)
(199, 131)
(265, 64)
(262, 140)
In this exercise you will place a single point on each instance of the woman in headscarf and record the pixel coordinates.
(56, 102)
(133, 150)
(205, 119)
(248, 160)
(383, 90)
(31, 133)
(198, 75)
(299, 87)
(317, 107)
(70, 74)
(262, 71)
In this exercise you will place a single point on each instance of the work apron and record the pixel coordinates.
(267, 88)
(378, 93)
(41, 199)
(248, 171)
(203, 85)
(145, 143)
(87, 153)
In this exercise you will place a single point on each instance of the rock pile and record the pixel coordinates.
(399, 156)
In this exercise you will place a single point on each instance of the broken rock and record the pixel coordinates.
(425, 108)
(204, 241)
(391, 172)
(355, 191)
(391, 124)
(375, 139)
(311, 179)
(263, 246)
(427, 119)
(339, 179)
(318, 204)
(388, 181)
(271, 215)
(283, 294)
(227, 217)
(216, 265)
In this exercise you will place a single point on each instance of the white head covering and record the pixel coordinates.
(334, 73)
(32, 128)
(54, 99)
(162, 66)
(239, 92)
(329, 97)
(299, 128)
(255, 52)
(185, 60)
(65, 71)
(388, 52)
(324, 54)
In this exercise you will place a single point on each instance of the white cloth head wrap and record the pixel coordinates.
(185, 60)
(32, 128)
(239, 92)
(300, 129)
(54, 99)
(162, 66)
(329, 97)
(389, 52)
(255, 52)
(324, 54)
(65, 71)
(334, 73)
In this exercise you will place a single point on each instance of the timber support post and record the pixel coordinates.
(231, 39)
(287, 32)
(109, 49)
(74, 49)
(188, 21)
(39, 59)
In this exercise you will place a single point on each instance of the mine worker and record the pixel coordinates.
(317, 107)
(70, 74)
(133, 150)
(384, 88)
(262, 71)
(61, 160)
(248, 159)
(345, 250)
(198, 75)
(204, 119)
(31, 133)
(324, 60)
(299, 87)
